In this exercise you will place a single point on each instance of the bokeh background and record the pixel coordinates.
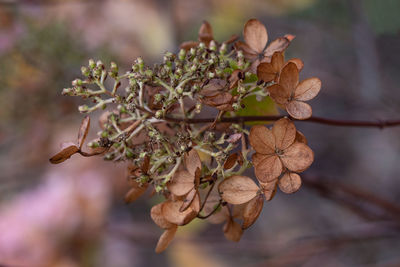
(73, 214)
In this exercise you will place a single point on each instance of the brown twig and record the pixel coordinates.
(343, 123)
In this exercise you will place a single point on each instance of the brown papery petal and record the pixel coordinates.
(269, 189)
(298, 157)
(266, 72)
(268, 169)
(158, 218)
(307, 89)
(64, 154)
(255, 35)
(284, 132)
(165, 239)
(299, 63)
(232, 231)
(188, 200)
(289, 77)
(181, 183)
(231, 161)
(219, 216)
(213, 87)
(146, 164)
(170, 211)
(206, 33)
(252, 211)
(188, 44)
(290, 183)
(257, 158)
(262, 140)
(248, 53)
(278, 45)
(83, 131)
(238, 189)
(277, 61)
(299, 110)
(192, 161)
(279, 94)
(300, 137)
(135, 192)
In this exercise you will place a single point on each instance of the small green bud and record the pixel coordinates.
(182, 54)
(77, 82)
(211, 75)
(159, 114)
(83, 108)
(129, 153)
(66, 91)
(142, 155)
(158, 97)
(179, 90)
(193, 51)
(240, 54)
(202, 45)
(223, 49)
(85, 71)
(235, 106)
(140, 63)
(213, 46)
(99, 64)
(198, 108)
(193, 68)
(92, 64)
(170, 159)
(93, 144)
(196, 87)
(149, 73)
(104, 134)
(114, 66)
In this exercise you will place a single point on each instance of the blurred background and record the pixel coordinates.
(73, 214)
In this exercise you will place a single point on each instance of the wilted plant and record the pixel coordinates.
(154, 125)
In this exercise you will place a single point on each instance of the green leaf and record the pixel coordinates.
(253, 107)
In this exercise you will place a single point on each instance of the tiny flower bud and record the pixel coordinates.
(198, 108)
(202, 46)
(223, 49)
(92, 64)
(83, 108)
(159, 114)
(77, 82)
(192, 51)
(85, 71)
(99, 64)
(211, 75)
(213, 45)
(182, 54)
(235, 106)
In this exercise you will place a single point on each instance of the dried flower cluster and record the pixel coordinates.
(156, 125)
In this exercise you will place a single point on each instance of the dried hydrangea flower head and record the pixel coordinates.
(154, 119)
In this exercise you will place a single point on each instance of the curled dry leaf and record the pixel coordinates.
(158, 218)
(238, 189)
(290, 183)
(83, 131)
(291, 94)
(64, 154)
(232, 230)
(231, 161)
(166, 238)
(252, 210)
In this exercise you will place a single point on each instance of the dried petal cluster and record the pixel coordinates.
(154, 119)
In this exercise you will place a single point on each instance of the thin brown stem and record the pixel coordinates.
(334, 122)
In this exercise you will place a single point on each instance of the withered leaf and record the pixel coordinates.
(232, 230)
(166, 238)
(298, 157)
(231, 161)
(83, 131)
(64, 154)
(307, 89)
(158, 218)
(206, 33)
(181, 183)
(290, 183)
(238, 189)
(252, 210)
